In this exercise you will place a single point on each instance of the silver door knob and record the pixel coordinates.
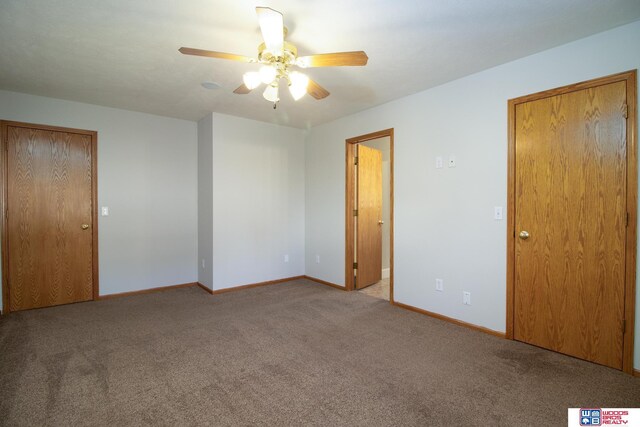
(524, 235)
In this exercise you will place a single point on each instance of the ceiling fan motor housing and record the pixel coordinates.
(280, 63)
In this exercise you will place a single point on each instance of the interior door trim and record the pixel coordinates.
(630, 77)
(349, 205)
(4, 138)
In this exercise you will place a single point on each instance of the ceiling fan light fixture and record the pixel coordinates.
(271, 93)
(298, 85)
(251, 79)
(267, 74)
(277, 56)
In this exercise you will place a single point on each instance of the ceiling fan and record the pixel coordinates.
(278, 57)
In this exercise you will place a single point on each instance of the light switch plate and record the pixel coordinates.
(104, 211)
(497, 212)
(466, 298)
(439, 162)
(439, 285)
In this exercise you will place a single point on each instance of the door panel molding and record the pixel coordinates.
(4, 129)
(630, 77)
(350, 148)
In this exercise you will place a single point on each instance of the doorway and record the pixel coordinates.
(49, 216)
(572, 196)
(369, 214)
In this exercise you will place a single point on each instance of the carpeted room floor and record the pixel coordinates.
(297, 353)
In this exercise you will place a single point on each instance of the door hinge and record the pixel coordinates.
(355, 265)
(625, 111)
(355, 212)
(355, 161)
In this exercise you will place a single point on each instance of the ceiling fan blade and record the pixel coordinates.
(272, 27)
(213, 54)
(317, 91)
(337, 59)
(242, 90)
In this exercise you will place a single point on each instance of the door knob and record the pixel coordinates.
(524, 235)
(380, 222)
(85, 226)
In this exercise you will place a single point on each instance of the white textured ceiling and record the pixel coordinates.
(124, 53)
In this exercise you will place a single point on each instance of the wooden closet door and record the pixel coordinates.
(49, 217)
(570, 219)
(369, 219)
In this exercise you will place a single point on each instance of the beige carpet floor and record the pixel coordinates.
(296, 353)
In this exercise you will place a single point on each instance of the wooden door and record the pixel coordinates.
(570, 197)
(369, 219)
(49, 220)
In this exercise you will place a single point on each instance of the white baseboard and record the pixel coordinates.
(386, 273)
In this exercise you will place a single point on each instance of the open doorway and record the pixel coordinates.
(369, 214)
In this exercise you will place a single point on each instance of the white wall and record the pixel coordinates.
(258, 201)
(146, 176)
(444, 223)
(205, 201)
